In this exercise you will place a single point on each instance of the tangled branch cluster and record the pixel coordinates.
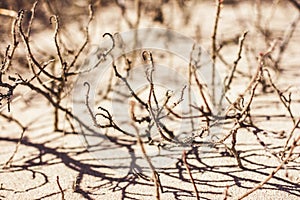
(54, 78)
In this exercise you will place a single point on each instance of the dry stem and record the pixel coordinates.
(155, 175)
(60, 188)
(190, 174)
(235, 63)
(214, 46)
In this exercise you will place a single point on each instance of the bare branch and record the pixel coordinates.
(86, 31)
(235, 63)
(190, 174)
(10, 160)
(155, 175)
(60, 188)
(214, 46)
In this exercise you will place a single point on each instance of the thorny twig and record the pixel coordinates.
(118, 75)
(235, 63)
(290, 137)
(47, 96)
(240, 122)
(55, 19)
(58, 90)
(86, 31)
(101, 57)
(155, 175)
(255, 77)
(160, 127)
(243, 113)
(285, 101)
(105, 115)
(154, 109)
(190, 174)
(190, 73)
(214, 46)
(207, 110)
(10, 51)
(31, 18)
(6, 63)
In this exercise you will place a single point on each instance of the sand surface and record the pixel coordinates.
(46, 157)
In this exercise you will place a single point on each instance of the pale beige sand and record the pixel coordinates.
(43, 154)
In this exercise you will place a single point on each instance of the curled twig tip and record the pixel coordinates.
(147, 55)
(87, 84)
(113, 42)
(53, 18)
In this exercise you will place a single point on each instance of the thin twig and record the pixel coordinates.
(155, 175)
(190, 73)
(117, 74)
(290, 136)
(214, 46)
(256, 76)
(30, 56)
(55, 19)
(160, 127)
(200, 87)
(31, 18)
(60, 188)
(9, 55)
(86, 31)
(9, 161)
(190, 174)
(235, 63)
(106, 115)
(233, 149)
(285, 101)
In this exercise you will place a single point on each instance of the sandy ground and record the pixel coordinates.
(44, 156)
